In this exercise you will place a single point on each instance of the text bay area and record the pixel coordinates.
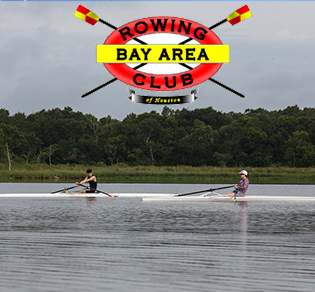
(162, 53)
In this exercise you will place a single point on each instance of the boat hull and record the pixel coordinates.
(163, 197)
(84, 195)
(229, 199)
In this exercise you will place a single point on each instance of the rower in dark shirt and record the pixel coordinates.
(91, 179)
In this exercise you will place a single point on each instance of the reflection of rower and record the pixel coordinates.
(243, 217)
(91, 179)
(242, 186)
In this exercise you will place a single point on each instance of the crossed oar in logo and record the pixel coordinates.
(234, 18)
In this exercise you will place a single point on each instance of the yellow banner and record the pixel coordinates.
(162, 53)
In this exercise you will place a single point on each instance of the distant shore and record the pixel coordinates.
(155, 174)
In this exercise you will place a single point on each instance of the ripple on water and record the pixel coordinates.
(66, 244)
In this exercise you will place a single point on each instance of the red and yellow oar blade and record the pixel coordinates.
(239, 15)
(86, 15)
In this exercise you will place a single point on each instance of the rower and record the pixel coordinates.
(91, 179)
(242, 186)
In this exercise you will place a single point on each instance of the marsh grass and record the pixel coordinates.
(155, 174)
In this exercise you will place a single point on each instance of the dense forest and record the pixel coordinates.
(199, 137)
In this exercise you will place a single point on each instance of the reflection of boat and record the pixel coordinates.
(85, 195)
(229, 199)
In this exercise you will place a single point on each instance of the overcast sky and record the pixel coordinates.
(47, 56)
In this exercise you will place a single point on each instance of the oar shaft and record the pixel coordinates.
(226, 87)
(217, 24)
(108, 24)
(108, 82)
(99, 87)
(112, 196)
(216, 82)
(64, 189)
(211, 27)
(204, 191)
(193, 193)
(99, 191)
(222, 188)
(114, 27)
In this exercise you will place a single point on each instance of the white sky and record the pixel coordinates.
(47, 56)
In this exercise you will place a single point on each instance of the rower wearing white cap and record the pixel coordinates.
(242, 186)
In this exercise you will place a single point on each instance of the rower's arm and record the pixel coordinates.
(87, 179)
(84, 181)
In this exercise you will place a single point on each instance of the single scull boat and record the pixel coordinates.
(85, 195)
(230, 199)
(164, 197)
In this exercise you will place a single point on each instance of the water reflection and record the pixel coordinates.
(243, 217)
(88, 244)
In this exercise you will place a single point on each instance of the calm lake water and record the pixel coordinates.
(124, 244)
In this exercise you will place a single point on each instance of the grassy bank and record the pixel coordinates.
(153, 174)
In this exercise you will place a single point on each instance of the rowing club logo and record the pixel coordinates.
(128, 55)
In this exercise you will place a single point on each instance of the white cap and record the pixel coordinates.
(244, 172)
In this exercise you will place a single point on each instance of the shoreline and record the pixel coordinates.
(156, 174)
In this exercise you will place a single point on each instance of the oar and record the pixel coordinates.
(112, 196)
(64, 189)
(204, 191)
(216, 82)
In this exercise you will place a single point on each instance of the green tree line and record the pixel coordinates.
(200, 137)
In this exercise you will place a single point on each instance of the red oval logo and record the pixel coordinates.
(162, 82)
